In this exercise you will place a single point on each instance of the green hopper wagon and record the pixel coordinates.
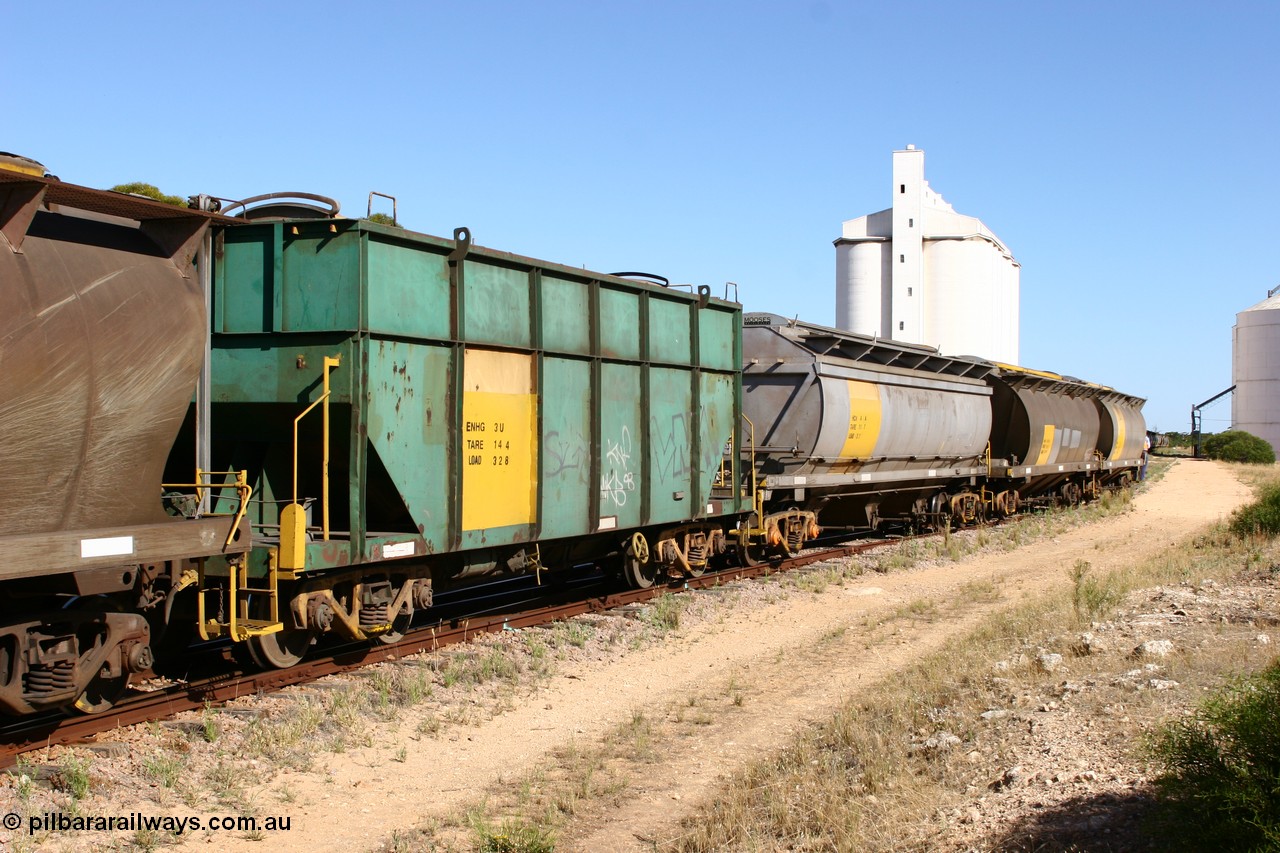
(448, 412)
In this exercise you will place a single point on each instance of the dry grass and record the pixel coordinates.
(524, 815)
(233, 759)
(883, 772)
(860, 782)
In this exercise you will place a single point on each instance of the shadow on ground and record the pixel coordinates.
(1103, 823)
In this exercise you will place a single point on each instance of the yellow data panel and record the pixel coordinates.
(1046, 445)
(499, 443)
(1118, 450)
(864, 420)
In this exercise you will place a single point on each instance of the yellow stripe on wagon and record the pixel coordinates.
(1046, 445)
(498, 443)
(1118, 451)
(864, 420)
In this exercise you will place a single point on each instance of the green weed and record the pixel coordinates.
(664, 612)
(1222, 769)
(1260, 518)
(1092, 598)
(73, 776)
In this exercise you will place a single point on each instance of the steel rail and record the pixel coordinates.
(28, 735)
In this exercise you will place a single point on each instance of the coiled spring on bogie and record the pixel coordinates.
(794, 539)
(697, 555)
(375, 616)
(44, 679)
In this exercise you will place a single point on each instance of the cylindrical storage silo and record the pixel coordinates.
(1009, 292)
(959, 296)
(998, 308)
(861, 281)
(1255, 407)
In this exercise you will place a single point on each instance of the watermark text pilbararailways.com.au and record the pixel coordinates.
(138, 822)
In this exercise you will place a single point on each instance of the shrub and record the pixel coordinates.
(1092, 598)
(513, 837)
(382, 219)
(1222, 769)
(1239, 446)
(1260, 518)
(150, 191)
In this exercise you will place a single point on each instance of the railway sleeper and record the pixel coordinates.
(71, 657)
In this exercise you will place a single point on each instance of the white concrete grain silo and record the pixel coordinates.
(1255, 370)
(919, 272)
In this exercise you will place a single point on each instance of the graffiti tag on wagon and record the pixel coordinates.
(565, 453)
(618, 480)
(671, 449)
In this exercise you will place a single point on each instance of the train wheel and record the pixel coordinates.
(750, 556)
(280, 650)
(102, 693)
(641, 572)
(399, 625)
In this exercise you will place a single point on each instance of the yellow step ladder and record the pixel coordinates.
(239, 626)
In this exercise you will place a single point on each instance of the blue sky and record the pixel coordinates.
(1125, 151)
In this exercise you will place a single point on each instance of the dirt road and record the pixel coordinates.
(790, 662)
(760, 662)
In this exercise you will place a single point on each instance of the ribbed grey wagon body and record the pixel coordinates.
(864, 430)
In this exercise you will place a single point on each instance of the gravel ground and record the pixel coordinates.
(359, 760)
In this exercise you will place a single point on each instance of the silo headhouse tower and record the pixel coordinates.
(919, 272)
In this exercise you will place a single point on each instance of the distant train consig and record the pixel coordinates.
(287, 424)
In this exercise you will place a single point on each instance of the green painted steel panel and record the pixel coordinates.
(408, 291)
(394, 284)
(669, 338)
(718, 328)
(619, 323)
(566, 311)
(333, 554)
(321, 282)
(496, 537)
(497, 304)
(279, 370)
(566, 448)
(409, 418)
(671, 495)
(245, 280)
(621, 476)
(717, 409)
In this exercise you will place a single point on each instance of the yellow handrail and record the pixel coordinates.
(329, 362)
(756, 505)
(243, 491)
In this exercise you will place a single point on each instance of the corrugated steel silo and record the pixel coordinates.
(1255, 368)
